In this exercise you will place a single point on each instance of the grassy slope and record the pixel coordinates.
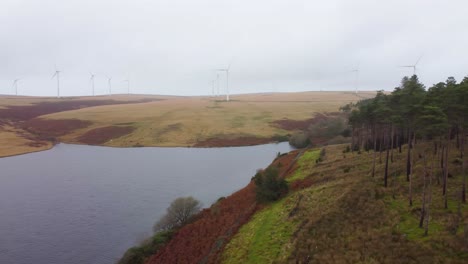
(185, 121)
(351, 217)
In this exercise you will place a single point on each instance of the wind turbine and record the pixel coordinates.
(91, 79)
(57, 74)
(356, 84)
(109, 84)
(15, 85)
(212, 88)
(128, 85)
(217, 84)
(227, 80)
(412, 66)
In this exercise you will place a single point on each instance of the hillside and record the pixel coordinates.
(30, 124)
(335, 212)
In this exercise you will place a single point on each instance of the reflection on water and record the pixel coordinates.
(83, 204)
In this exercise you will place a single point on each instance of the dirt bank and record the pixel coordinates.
(101, 135)
(233, 142)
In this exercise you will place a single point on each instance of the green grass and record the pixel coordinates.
(261, 240)
(305, 165)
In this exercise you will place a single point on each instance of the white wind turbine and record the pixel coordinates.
(57, 75)
(412, 66)
(128, 85)
(15, 85)
(91, 79)
(356, 81)
(109, 79)
(227, 80)
(212, 88)
(217, 84)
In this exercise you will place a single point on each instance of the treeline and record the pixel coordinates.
(413, 115)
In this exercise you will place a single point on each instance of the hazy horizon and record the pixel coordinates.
(173, 47)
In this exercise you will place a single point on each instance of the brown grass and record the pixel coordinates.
(173, 121)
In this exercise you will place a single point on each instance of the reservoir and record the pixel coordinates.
(85, 204)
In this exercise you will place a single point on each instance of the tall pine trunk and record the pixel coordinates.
(411, 173)
(392, 143)
(408, 157)
(375, 151)
(446, 170)
(386, 165)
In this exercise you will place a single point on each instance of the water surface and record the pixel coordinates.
(83, 204)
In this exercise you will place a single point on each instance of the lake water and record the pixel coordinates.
(87, 205)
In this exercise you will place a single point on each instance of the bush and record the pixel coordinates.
(178, 213)
(329, 127)
(138, 255)
(280, 138)
(269, 186)
(338, 140)
(299, 140)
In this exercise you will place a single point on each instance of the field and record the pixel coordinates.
(31, 124)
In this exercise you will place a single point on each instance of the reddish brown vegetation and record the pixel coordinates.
(51, 128)
(233, 142)
(103, 134)
(203, 240)
(26, 112)
(301, 184)
(288, 124)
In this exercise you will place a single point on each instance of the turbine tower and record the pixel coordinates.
(109, 84)
(15, 85)
(57, 75)
(356, 81)
(91, 79)
(413, 66)
(128, 85)
(217, 84)
(212, 88)
(227, 80)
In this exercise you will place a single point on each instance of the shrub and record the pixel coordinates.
(280, 138)
(138, 255)
(347, 149)
(329, 127)
(178, 213)
(269, 186)
(299, 140)
(338, 140)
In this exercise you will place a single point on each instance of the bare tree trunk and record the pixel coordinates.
(375, 151)
(392, 143)
(463, 165)
(428, 211)
(352, 139)
(423, 204)
(382, 139)
(411, 174)
(408, 156)
(446, 170)
(386, 166)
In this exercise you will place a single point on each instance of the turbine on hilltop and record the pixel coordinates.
(57, 75)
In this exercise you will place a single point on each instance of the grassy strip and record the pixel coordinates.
(261, 240)
(305, 164)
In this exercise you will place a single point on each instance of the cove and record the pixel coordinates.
(86, 204)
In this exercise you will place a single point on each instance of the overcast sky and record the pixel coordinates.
(173, 46)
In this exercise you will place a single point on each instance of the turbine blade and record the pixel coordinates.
(418, 60)
(54, 75)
